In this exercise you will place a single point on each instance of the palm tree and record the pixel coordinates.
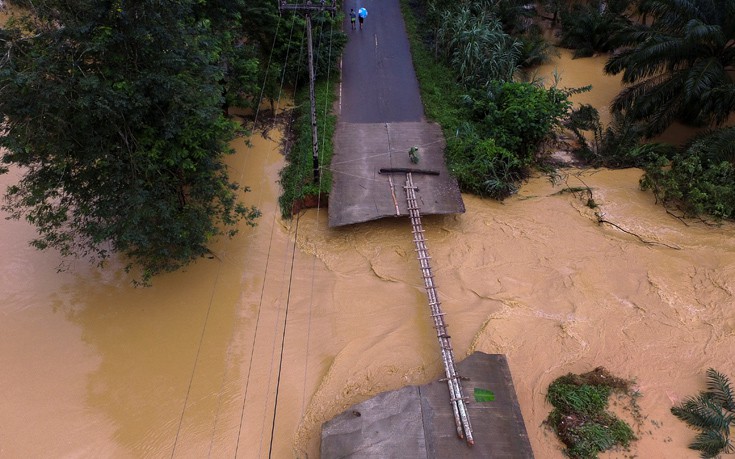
(587, 28)
(680, 67)
(712, 412)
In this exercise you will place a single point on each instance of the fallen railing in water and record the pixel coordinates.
(458, 401)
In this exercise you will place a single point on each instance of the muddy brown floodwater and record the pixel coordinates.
(246, 354)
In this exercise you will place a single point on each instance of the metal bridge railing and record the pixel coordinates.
(458, 401)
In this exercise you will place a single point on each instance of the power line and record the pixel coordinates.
(196, 361)
(318, 209)
(283, 342)
(219, 269)
(258, 205)
(267, 266)
(293, 253)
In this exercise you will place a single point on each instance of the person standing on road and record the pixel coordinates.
(361, 15)
(352, 18)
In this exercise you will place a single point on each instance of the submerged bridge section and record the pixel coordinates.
(457, 399)
(416, 422)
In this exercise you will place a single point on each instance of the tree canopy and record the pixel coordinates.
(680, 67)
(113, 113)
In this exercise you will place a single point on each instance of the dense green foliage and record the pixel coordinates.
(712, 413)
(588, 27)
(700, 178)
(494, 127)
(680, 66)
(484, 168)
(580, 417)
(472, 40)
(506, 127)
(487, 39)
(114, 115)
(297, 178)
(518, 116)
(583, 399)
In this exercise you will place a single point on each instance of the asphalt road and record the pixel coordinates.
(378, 81)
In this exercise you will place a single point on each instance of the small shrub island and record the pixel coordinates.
(580, 417)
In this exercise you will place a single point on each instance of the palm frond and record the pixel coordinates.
(716, 146)
(690, 40)
(702, 413)
(718, 385)
(653, 57)
(720, 103)
(704, 33)
(674, 13)
(704, 76)
(710, 443)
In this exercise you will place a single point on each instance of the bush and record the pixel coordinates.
(585, 399)
(485, 169)
(579, 417)
(519, 116)
(700, 179)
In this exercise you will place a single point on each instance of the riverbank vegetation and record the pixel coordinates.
(299, 186)
(675, 58)
(466, 61)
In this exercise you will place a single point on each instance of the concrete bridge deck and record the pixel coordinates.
(360, 192)
(416, 422)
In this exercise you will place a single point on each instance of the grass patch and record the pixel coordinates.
(580, 417)
(297, 177)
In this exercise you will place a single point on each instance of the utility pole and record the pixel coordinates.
(308, 8)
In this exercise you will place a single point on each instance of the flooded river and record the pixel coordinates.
(246, 354)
